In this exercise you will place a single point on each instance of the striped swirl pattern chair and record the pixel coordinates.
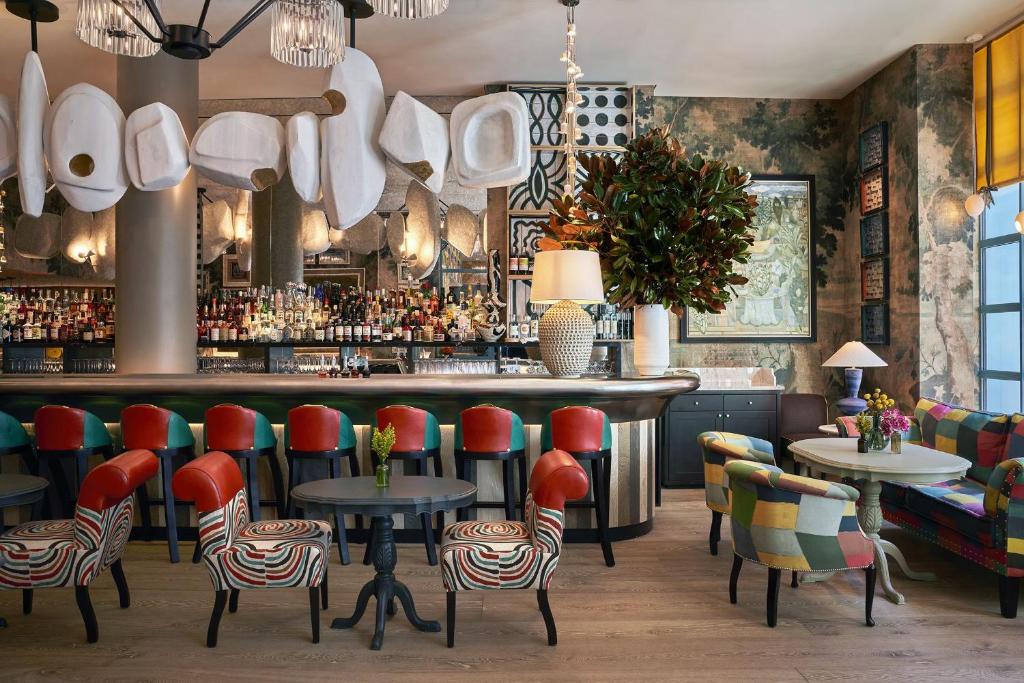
(719, 449)
(241, 554)
(784, 521)
(73, 552)
(481, 555)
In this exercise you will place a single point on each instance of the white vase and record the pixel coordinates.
(650, 346)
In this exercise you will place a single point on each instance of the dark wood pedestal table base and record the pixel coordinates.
(17, 490)
(406, 495)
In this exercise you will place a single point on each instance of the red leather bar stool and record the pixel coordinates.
(66, 434)
(168, 436)
(320, 434)
(491, 433)
(14, 440)
(246, 435)
(586, 434)
(417, 438)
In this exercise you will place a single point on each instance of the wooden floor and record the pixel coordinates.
(661, 614)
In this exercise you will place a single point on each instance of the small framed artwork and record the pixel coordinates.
(874, 191)
(347, 277)
(874, 323)
(874, 146)
(233, 275)
(874, 280)
(874, 235)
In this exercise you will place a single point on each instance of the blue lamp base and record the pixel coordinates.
(852, 404)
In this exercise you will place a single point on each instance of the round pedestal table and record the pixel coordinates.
(915, 465)
(832, 430)
(405, 495)
(17, 490)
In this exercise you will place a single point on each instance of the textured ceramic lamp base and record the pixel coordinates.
(566, 339)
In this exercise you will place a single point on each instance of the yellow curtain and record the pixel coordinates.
(1006, 145)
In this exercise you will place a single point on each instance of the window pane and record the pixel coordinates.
(999, 216)
(1002, 341)
(1002, 396)
(1002, 274)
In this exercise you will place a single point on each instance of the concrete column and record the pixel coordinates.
(262, 217)
(156, 235)
(285, 234)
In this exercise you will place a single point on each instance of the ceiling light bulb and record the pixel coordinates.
(974, 205)
(1018, 222)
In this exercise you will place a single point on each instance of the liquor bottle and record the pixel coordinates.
(524, 328)
(513, 329)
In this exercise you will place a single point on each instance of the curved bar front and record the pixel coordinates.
(633, 404)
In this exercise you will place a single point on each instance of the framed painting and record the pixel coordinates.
(874, 146)
(233, 275)
(874, 280)
(874, 191)
(874, 323)
(778, 302)
(874, 235)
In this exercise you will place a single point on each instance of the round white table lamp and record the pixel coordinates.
(566, 279)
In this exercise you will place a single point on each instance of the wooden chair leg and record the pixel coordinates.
(323, 588)
(508, 489)
(314, 612)
(293, 481)
(220, 599)
(1009, 596)
(339, 532)
(92, 631)
(460, 473)
(233, 600)
(549, 619)
(170, 514)
(869, 593)
(438, 472)
(426, 520)
(715, 535)
(26, 601)
(451, 618)
(601, 508)
(795, 581)
(734, 577)
(197, 553)
(123, 596)
(145, 512)
(774, 576)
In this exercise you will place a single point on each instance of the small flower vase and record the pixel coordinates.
(383, 475)
(875, 438)
(896, 443)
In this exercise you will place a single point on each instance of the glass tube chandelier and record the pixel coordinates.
(409, 9)
(570, 128)
(106, 24)
(308, 33)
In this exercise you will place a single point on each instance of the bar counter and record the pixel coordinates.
(632, 403)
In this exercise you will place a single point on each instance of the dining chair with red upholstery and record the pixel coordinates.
(73, 552)
(68, 435)
(482, 555)
(242, 555)
(492, 434)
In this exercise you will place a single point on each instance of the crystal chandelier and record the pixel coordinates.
(409, 9)
(106, 24)
(308, 33)
(569, 128)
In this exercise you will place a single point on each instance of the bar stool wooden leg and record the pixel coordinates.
(601, 508)
(425, 519)
(145, 512)
(293, 481)
(353, 469)
(508, 488)
(460, 473)
(277, 480)
(252, 488)
(169, 512)
(523, 484)
(438, 472)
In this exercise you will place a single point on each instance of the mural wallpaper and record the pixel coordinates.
(925, 95)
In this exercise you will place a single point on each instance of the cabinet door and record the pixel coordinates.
(684, 463)
(759, 423)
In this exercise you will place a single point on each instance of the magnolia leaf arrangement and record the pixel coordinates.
(669, 228)
(382, 442)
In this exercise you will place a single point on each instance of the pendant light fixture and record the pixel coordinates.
(308, 33)
(976, 204)
(570, 128)
(105, 24)
(409, 9)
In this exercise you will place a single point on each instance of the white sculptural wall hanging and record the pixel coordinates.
(33, 104)
(316, 238)
(241, 150)
(366, 236)
(491, 141)
(422, 230)
(352, 166)
(303, 135)
(155, 148)
(243, 229)
(37, 237)
(415, 137)
(8, 139)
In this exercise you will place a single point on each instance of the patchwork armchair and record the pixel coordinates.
(73, 552)
(481, 555)
(241, 554)
(785, 521)
(719, 449)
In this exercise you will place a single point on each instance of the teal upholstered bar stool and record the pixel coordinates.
(246, 435)
(488, 432)
(14, 440)
(66, 434)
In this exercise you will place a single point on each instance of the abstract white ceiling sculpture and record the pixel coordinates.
(366, 236)
(422, 230)
(490, 141)
(8, 139)
(303, 135)
(33, 103)
(84, 142)
(155, 148)
(461, 228)
(37, 237)
(316, 237)
(352, 166)
(240, 149)
(218, 229)
(243, 229)
(396, 233)
(415, 137)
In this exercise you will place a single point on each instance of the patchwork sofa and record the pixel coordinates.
(979, 517)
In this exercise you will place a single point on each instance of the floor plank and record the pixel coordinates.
(662, 613)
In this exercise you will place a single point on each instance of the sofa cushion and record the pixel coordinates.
(957, 504)
(971, 434)
(1015, 439)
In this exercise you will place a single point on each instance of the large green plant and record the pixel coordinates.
(669, 228)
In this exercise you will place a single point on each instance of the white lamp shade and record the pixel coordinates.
(854, 355)
(567, 275)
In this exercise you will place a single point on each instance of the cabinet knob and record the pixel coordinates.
(750, 403)
(719, 415)
(727, 414)
(696, 403)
